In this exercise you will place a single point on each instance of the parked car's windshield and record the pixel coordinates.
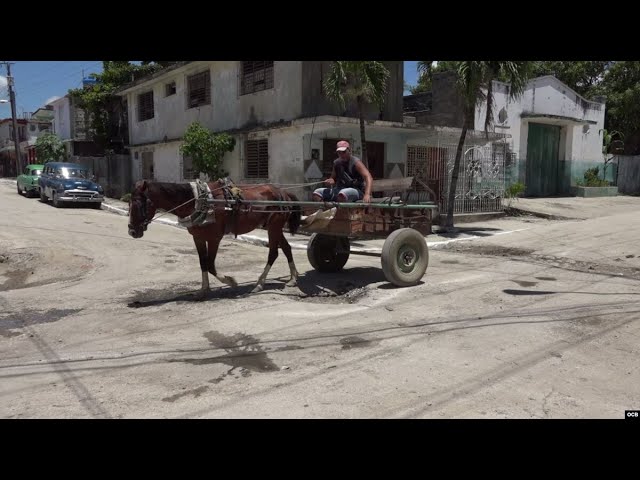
(36, 172)
(67, 172)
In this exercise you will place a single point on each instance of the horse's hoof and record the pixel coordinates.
(257, 289)
(232, 282)
(292, 283)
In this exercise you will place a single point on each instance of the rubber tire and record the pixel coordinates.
(395, 243)
(43, 197)
(322, 255)
(56, 203)
(18, 187)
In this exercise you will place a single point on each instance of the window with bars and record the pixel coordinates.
(256, 76)
(145, 106)
(188, 170)
(257, 153)
(199, 89)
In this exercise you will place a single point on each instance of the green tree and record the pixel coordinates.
(621, 85)
(364, 82)
(49, 148)
(473, 79)
(207, 149)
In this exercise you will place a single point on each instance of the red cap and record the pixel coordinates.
(342, 146)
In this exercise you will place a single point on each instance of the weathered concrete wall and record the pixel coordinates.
(548, 98)
(227, 110)
(629, 174)
(113, 172)
(446, 102)
(61, 118)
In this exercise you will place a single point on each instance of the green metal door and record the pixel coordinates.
(542, 160)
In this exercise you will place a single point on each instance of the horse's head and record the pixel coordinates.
(141, 209)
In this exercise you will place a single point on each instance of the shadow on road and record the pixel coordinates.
(311, 284)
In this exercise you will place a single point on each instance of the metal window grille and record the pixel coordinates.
(199, 89)
(145, 106)
(256, 76)
(257, 158)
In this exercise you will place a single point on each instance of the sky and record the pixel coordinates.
(37, 83)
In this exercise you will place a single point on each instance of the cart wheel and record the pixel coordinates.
(328, 253)
(405, 257)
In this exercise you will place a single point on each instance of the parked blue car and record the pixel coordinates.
(64, 182)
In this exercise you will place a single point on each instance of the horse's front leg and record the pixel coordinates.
(286, 249)
(201, 246)
(214, 243)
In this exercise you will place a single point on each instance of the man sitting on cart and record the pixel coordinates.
(350, 180)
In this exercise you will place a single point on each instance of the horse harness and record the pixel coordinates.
(204, 214)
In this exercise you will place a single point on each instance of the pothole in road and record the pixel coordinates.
(25, 268)
(490, 250)
(341, 292)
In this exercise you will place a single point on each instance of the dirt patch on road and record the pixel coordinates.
(243, 353)
(489, 250)
(522, 254)
(12, 323)
(32, 267)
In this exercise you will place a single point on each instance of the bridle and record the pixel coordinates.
(143, 210)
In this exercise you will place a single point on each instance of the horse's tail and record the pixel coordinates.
(295, 217)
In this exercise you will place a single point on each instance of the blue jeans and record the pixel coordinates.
(331, 194)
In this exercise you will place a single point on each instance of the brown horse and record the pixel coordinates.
(179, 198)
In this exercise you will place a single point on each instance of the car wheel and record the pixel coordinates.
(18, 187)
(43, 197)
(56, 203)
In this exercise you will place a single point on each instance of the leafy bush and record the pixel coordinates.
(591, 179)
(126, 197)
(515, 190)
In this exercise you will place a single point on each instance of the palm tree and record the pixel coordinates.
(364, 82)
(473, 79)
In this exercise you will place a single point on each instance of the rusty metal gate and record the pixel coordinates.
(481, 179)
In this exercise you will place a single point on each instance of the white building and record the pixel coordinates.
(72, 126)
(553, 134)
(556, 134)
(285, 129)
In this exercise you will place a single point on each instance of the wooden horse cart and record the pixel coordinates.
(402, 221)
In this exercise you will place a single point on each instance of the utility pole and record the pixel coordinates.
(16, 140)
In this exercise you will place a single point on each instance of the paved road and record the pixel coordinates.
(541, 322)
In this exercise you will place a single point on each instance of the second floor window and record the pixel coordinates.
(257, 158)
(199, 89)
(256, 76)
(145, 106)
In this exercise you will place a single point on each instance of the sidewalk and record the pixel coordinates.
(524, 212)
